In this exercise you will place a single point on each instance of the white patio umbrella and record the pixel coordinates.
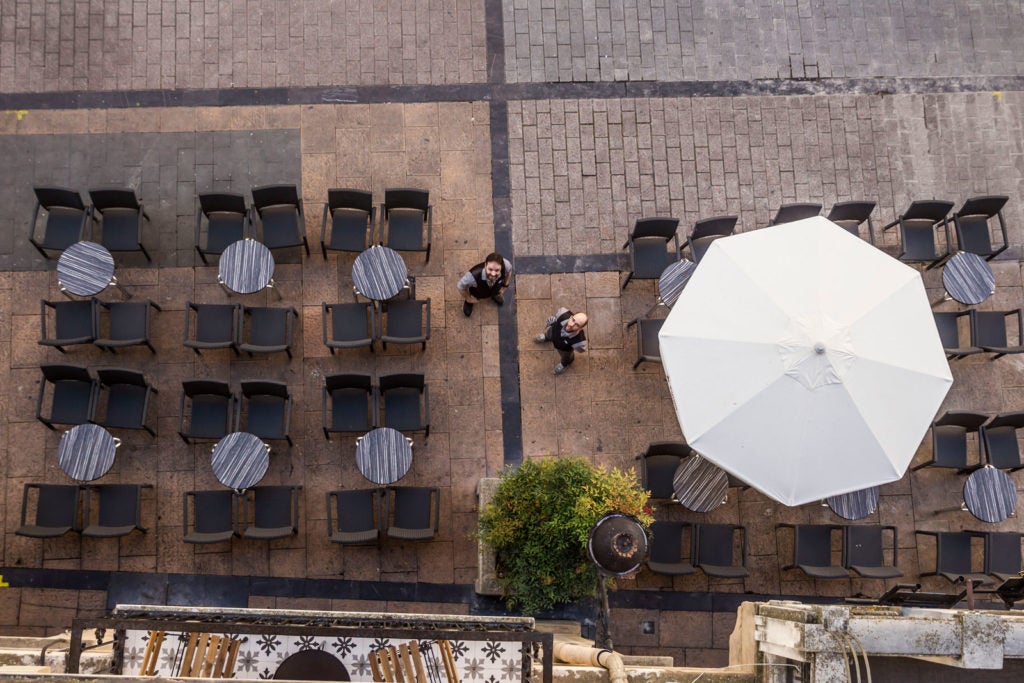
(804, 361)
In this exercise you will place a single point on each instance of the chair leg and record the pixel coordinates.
(628, 278)
(323, 248)
(202, 256)
(145, 253)
(638, 362)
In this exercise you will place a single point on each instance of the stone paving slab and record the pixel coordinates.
(145, 44)
(583, 171)
(644, 40)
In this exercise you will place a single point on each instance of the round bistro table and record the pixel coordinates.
(246, 266)
(384, 455)
(990, 494)
(700, 485)
(379, 273)
(85, 269)
(968, 278)
(240, 460)
(86, 452)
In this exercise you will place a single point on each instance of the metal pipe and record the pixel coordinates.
(592, 656)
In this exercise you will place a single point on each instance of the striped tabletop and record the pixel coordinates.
(240, 460)
(990, 494)
(86, 452)
(85, 268)
(699, 484)
(379, 273)
(246, 266)
(383, 455)
(673, 279)
(855, 504)
(968, 278)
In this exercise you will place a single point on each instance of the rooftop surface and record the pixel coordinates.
(542, 130)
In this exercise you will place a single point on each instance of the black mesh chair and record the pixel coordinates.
(280, 211)
(66, 219)
(405, 322)
(352, 216)
(353, 404)
(118, 510)
(667, 549)
(268, 410)
(707, 231)
(988, 332)
(403, 216)
(647, 243)
(74, 322)
(413, 512)
(127, 324)
(56, 510)
(266, 330)
(953, 556)
(207, 409)
(354, 516)
(648, 348)
(972, 226)
(351, 325)
(121, 215)
(949, 441)
(658, 466)
(999, 436)
(851, 215)
(1002, 554)
(227, 221)
(212, 515)
(715, 549)
(863, 551)
(127, 399)
(948, 325)
(211, 326)
(788, 213)
(917, 232)
(275, 512)
(406, 403)
(812, 551)
(72, 397)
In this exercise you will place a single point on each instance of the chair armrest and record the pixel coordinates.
(743, 544)
(189, 307)
(24, 501)
(437, 508)
(32, 239)
(42, 318)
(295, 508)
(426, 402)
(184, 512)
(287, 417)
(871, 230)
(949, 243)
(143, 214)
(289, 323)
(427, 332)
(898, 220)
(675, 238)
(323, 319)
(199, 222)
(323, 224)
(375, 399)
(382, 218)
(330, 525)
(181, 412)
(430, 224)
(372, 226)
(1002, 230)
(1020, 327)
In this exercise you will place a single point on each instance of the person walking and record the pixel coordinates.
(487, 280)
(565, 331)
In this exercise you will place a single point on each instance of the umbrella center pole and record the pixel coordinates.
(819, 348)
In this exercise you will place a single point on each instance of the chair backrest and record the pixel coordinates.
(110, 376)
(655, 227)
(1000, 437)
(205, 387)
(346, 198)
(348, 381)
(989, 329)
(812, 544)
(209, 656)
(119, 504)
(953, 552)
(63, 373)
(851, 211)
(788, 213)
(656, 472)
(1002, 553)
(274, 506)
(357, 509)
(413, 511)
(667, 542)
(274, 195)
(264, 388)
(987, 206)
(713, 544)
(862, 545)
(408, 380)
(114, 198)
(56, 505)
(947, 323)
(720, 226)
(933, 210)
(406, 198)
(59, 197)
(677, 448)
(214, 510)
(222, 202)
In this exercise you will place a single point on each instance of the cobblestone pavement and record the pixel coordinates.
(644, 40)
(554, 173)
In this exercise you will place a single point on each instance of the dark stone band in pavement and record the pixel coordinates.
(495, 92)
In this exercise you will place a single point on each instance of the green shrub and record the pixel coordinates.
(538, 524)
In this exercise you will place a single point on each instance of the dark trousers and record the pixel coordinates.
(567, 357)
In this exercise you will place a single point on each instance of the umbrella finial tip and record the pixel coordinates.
(819, 347)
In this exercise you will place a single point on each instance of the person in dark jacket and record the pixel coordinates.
(487, 280)
(565, 331)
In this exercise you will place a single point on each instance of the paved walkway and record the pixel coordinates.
(540, 133)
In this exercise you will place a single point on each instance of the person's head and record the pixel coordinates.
(493, 265)
(576, 322)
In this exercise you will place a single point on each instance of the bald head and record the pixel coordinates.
(576, 322)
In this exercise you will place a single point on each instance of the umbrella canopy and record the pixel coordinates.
(804, 361)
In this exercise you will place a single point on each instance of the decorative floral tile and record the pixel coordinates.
(259, 656)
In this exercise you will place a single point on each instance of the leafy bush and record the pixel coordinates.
(539, 521)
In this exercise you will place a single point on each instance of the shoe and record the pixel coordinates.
(499, 299)
(467, 309)
(540, 339)
(559, 369)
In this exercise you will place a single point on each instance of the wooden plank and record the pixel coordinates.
(229, 667)
(375, 667)
(449, 661)
(421, 672)
(396, 665)
(186, 661)
(211, 654)
(152, 653)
